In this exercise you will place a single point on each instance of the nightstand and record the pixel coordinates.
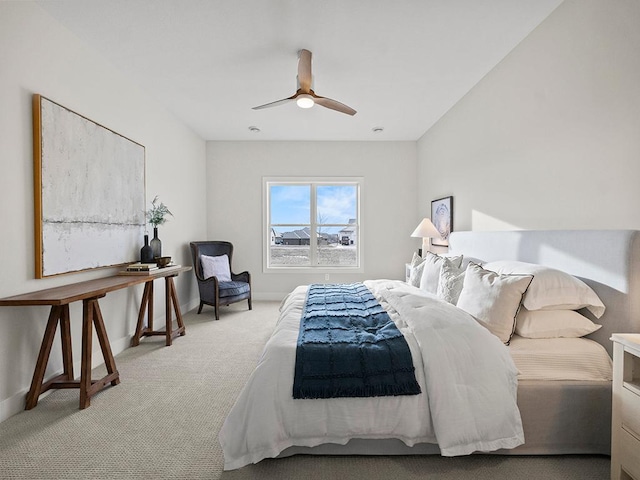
(625, 421)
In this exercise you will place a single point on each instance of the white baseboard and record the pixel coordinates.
(194, 303)
(12, 405)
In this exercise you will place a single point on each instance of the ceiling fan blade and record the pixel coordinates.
(333, 104)
(275, 104)
(304, 70)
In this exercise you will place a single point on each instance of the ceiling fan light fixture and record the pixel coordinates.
(305, 97)
(305, 101)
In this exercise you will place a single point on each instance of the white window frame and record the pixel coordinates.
(313, 182)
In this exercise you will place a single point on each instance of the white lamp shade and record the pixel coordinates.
(426, 229)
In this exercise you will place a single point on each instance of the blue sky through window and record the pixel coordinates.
(291, 204)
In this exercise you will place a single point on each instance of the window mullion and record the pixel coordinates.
(313, 240)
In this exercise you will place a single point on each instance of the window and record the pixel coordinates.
(312, 223)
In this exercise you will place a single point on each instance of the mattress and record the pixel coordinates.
(555, 359)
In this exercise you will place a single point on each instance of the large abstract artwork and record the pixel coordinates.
(89, 192)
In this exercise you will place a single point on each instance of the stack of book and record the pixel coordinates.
(140, 269)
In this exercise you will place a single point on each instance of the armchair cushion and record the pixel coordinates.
(231, 289)
(216, 267)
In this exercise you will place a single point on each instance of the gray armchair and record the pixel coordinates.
(212, 291)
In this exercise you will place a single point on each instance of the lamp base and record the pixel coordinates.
(425, 245)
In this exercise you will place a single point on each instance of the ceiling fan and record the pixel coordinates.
(305, 97)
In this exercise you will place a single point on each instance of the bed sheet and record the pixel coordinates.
(556, 359)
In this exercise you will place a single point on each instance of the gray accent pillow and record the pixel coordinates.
(451, 282)
(417, 266)
(431, 273)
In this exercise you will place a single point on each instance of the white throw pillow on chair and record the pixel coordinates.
(216, 267)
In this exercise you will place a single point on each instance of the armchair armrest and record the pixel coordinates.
(205, 281)
(241, 277)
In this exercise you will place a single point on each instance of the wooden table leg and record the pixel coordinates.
(91, 316)
(171, 305)
(85, 365)
(176, 305)
(167, 308)
(43, 357)
(150, 306)
(65, 337)
(101, 333)
(144, 307)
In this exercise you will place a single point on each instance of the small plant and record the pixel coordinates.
(157, 214)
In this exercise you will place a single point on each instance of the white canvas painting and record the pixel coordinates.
(92, 193)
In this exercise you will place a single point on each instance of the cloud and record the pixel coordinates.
(336, 204)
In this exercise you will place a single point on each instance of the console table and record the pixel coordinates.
(89, 292)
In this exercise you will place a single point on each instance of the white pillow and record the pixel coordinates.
(216, 267)
(552, 289)
(553, 324)
(467, 260)
(417, 266)
(431, 273)
(493, 299)
(451, 282)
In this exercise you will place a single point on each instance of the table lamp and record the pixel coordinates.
(425, 230)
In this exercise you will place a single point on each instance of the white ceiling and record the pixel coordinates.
(400, 64)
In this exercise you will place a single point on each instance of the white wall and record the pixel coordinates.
(388, 203)
(549, 139)
(38, 55)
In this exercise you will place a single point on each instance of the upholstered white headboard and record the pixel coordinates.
(607, 260)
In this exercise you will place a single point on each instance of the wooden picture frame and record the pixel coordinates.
(442, 218)
(89, 192)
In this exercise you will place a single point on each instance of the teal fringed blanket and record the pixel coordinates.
(348, 346)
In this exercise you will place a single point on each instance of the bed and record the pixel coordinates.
(530, 413)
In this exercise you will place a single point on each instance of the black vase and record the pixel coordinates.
(156, 244)
(146, 254)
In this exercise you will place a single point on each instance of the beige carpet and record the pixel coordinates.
(162, 421)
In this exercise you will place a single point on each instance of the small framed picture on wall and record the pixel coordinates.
(442, 218)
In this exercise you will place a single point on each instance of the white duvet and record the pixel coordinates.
(467, 377)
